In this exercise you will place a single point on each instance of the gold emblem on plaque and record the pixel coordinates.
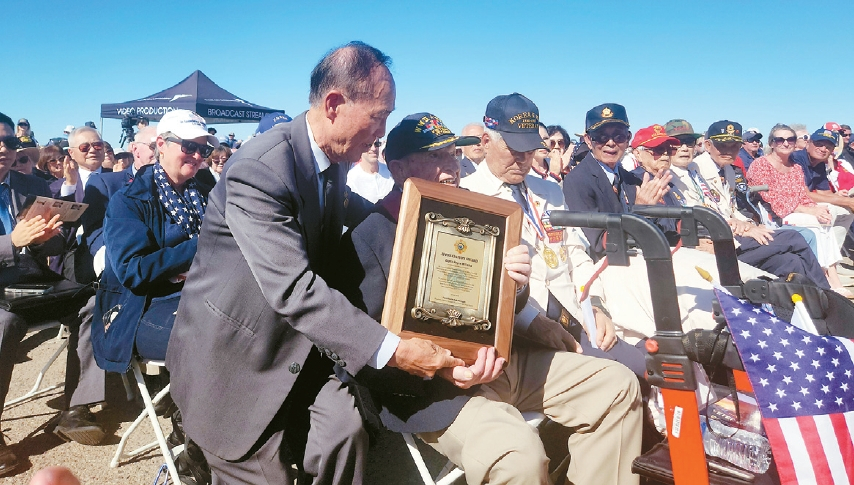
(730, 129)
(550, 257)
(607, 113)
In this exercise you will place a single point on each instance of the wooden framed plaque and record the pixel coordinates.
(447, 281)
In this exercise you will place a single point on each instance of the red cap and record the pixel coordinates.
(652, 136)
(832, 126)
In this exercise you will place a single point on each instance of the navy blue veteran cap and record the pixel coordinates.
(517, 118)
(605, 113)
(823, 134)
(422, 132)
(724, 130)
(270, 120)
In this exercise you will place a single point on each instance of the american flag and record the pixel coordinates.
(804, 385)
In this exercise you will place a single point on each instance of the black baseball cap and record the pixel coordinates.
(422, 132)
(724, 130)
(517, 118)
(603, 114)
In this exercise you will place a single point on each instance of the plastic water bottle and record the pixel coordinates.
(740, 447)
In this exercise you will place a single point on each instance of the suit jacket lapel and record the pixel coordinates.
(306, 179)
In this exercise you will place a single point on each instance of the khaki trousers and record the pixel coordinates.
(598, 398)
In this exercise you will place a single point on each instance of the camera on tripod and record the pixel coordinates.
(128, 122)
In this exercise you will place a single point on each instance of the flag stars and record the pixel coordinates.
(778, 355)
(756, 310)
(806, 339)
(736, 312)
(825, 389)
(772, 407)
(844, 386)
(774, 319)
(820, 351)
(762, 344)
(763, 382)
(787, 379)
(784, 342)
(835, 362)
(848, 373)
(819, 403)
(815, 364)
(767, 332)
(829, 375)
(838, 349)
(745, 333)
(754, 357)
(809, 378)
(804, 391)
(796, 405)
(838, 401)
(780, 393)
(795, 367)
(799, 353)
(790, 329)
(771, 368)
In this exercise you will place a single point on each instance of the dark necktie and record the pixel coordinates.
(5, 210)
(617, 185)
(519, 197)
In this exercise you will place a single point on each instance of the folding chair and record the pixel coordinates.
(148, 411)
(450, 472)
(36, 391)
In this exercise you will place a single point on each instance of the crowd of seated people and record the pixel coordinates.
(179, 211)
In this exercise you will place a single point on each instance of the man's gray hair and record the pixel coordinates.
(347, 68)
(72, 137)
(493, 135)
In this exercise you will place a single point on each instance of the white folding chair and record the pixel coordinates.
(148, 411)
(450, 472)
(35, 392)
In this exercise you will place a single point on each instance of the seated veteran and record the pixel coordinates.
(472, 414)
(150, 231)
(561, 265)
(24, 246)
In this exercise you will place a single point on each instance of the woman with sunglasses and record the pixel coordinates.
(151, 229)
(49, 166)
(790, 204)
(217, 160)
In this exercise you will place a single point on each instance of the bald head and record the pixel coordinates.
(141, 147)
(475, 153)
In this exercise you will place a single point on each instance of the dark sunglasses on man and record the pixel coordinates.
(11, 142)
(190, 147)
(603, 137)
(95, 145)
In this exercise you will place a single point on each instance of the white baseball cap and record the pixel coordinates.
(68, 129)
(186, 125)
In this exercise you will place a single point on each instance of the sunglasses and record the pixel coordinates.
(378, 143)
(54, 160)
(556, 143)
(602, 138)
(21, 161)
(779, 139)
(97, 145)
(845, 135)
(191, 147)
(689, 140)
(660, 149)
(11, 142)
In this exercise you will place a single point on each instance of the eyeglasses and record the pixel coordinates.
(96, 145)
(556, 143)
(659, 150)
(219, 161)
(779, 140)
(378, 143)
(603, 138)
(191, 147)
(54, 160)
(11, 142)
(21, 161)
(845, 135)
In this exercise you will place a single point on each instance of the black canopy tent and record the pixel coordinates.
(196, 93)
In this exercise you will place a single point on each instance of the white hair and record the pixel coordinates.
(493, 135)
(72, 137)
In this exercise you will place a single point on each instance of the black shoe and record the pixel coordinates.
(78, 424)
(166, 406)
(193, 468)
(8, 461)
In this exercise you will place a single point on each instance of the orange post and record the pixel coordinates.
(684, 436)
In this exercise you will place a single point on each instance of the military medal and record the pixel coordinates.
(564, 253)
(550, 257)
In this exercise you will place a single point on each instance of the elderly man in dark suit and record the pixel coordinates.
(85, 382)
(254, 391)
(23, 245)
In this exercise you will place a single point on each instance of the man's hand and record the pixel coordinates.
(555, 160)
(760, 234)
(485, 369)
(551, 334)
(606, 336)
(69, 171)
(652, 190)
(517, 262)
(35, 231)
(707, 246)
(422, 357)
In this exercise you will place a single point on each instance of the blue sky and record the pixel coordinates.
(757, 63)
